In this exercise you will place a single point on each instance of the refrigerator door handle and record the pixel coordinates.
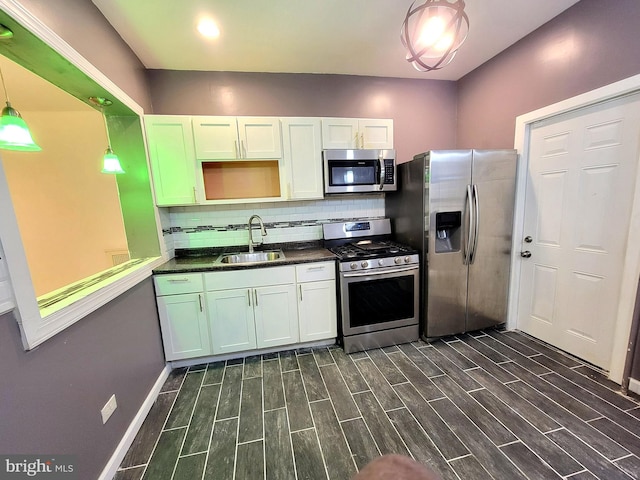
(469, 243)
(476, 225)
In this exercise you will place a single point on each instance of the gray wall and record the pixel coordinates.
(82, 26)
(424, 111)
(590, 45)
(50, 397)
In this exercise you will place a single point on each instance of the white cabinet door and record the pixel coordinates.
(259, 137)
(233, 138)
(216, 138)
(276, 315)
(339, 133)
(357, 133)
(302, 153)
(173, 164)
(317, 310)
(231, 320)
(376, 133)
(184, 326)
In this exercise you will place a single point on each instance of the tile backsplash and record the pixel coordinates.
(226, 225)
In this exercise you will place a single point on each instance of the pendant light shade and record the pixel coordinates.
(110, 161)
(14, 133)
(433, 31)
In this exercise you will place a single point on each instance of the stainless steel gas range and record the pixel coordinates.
(378, 286)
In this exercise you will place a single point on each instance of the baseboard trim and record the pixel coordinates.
(634, 385)
(121, 450)
(189, 362)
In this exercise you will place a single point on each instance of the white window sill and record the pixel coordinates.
(73, 307)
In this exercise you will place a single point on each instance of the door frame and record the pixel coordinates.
(631, 269)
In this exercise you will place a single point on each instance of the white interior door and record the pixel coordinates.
(579, 194)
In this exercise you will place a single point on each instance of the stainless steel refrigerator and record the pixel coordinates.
(456, 208)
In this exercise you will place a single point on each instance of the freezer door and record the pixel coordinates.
(445, 307)
(493, 175)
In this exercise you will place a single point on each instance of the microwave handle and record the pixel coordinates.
(381, 172)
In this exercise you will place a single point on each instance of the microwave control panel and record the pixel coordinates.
(388, 171)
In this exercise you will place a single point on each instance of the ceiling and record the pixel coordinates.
(350, 37)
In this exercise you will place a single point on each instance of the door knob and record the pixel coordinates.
(525, 254)
(528, 239)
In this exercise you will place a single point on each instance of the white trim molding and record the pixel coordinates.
(127, 440)
(631, 271)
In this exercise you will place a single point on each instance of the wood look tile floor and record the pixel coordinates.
(477, 406)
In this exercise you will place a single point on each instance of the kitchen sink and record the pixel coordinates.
(255, 257)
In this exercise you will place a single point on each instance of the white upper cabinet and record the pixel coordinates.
(170, 144)
(302, 153)
(357, 133)
(216, 137)
(376, 133)
(237, 138)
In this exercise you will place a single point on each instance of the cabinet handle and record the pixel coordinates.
(200, 301)
(243, 153)
(313, 269)
(255, 293)
(300, 287)
(357, 142)
(249, 295)
(362, 140)
(235, 149)
(194, 194)
(178, 280)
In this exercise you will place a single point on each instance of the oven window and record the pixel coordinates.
(378, 301)
(353, 175)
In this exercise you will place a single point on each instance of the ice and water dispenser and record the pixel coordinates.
(448, 231)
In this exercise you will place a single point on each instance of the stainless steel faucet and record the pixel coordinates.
(263, 231)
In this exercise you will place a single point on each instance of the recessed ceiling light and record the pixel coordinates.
(208, 28)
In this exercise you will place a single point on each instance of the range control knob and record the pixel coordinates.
(407, 259)
(353, 265)
(364, 264)
(398, 261)
(381, 262)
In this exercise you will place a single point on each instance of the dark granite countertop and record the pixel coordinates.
(203, 259)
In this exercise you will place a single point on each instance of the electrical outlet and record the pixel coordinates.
(109, 408)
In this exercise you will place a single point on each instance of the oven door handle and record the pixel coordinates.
(373, 273)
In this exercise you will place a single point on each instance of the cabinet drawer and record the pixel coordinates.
(176, 284)
(313, 272)
(256, 277)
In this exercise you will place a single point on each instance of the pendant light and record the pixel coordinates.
(433, 31)
(110, 161)
(14, 133)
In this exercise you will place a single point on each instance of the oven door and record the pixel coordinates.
(379, 299)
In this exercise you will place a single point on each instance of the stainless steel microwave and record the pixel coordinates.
(359, 171)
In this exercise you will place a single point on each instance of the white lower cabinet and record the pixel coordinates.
(252, 308)
(231, 320)
(276, 316)
(239, 310)
(317, 301)
(185, 333)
